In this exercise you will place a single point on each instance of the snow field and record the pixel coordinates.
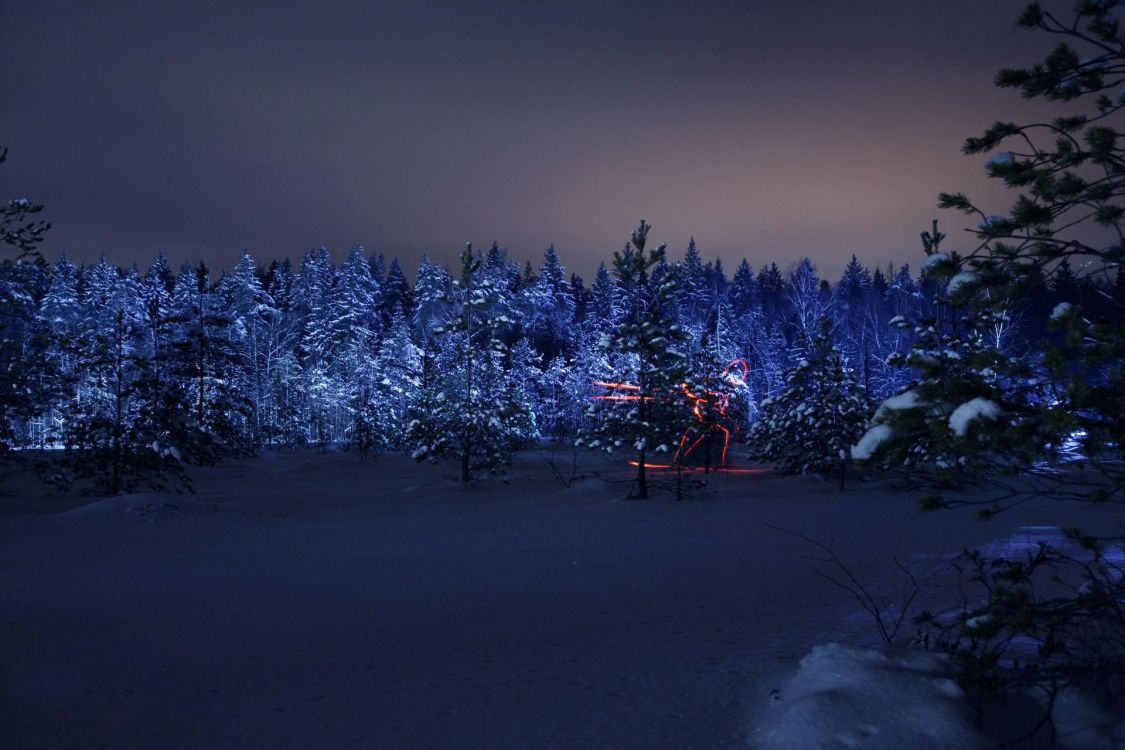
(310, 600)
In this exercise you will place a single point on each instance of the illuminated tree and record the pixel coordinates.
(644, 411)
(467, 411)
(206, 363)
(1070, 176)
(251, 314)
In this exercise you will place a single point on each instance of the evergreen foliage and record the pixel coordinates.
(1048, 421)
(810, 427)
(18, 225)
(645, 414)
(966, 411)
(469, 410)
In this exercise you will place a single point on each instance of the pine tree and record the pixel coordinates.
(744, 291)
(251, 313)
(18, 227)
(810, 427)
(396, 293)
(645, 412)
(692, 300)
(21, 400)
(466, 412)
(852, 300)
(206, 364)
(715, 389)
(548, 306)
(110, 438)
(58, 321)
(1062, 609)
(1069, 172)
(942, 426)
(806, 303)
(431, 297)
(400, 367)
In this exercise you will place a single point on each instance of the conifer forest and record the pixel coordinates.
(151, 367)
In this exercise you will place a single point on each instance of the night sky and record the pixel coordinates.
(769, 130)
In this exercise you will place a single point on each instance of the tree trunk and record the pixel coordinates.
(642, 480)
(465, 462)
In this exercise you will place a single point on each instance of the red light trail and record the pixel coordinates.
(708, 406)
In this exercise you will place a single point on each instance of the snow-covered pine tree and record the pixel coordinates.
(520, 388)
(109, 429)
(398, 386)
(548, 307)
(647, 411)
(58, 321)
(252, 314)
(465, 411)
(281, 422)
(852, 300)
(355, 323)
(22, 350)
(810, 427)
(1047, 617)
(966, 408)
(1070, 174)
(431, 300)
(396, 293)
(693, 302)
(206, 363)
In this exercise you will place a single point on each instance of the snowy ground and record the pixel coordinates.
(309, 600)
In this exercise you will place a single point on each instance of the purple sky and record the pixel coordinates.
(768, 130)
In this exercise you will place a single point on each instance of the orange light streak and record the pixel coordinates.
(723, 469)
(627, 386)
(734, 374)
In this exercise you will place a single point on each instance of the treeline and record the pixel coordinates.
(192, 365)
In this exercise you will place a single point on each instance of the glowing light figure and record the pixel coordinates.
(708, 406)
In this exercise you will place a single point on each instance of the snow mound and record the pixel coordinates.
(845, 697)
